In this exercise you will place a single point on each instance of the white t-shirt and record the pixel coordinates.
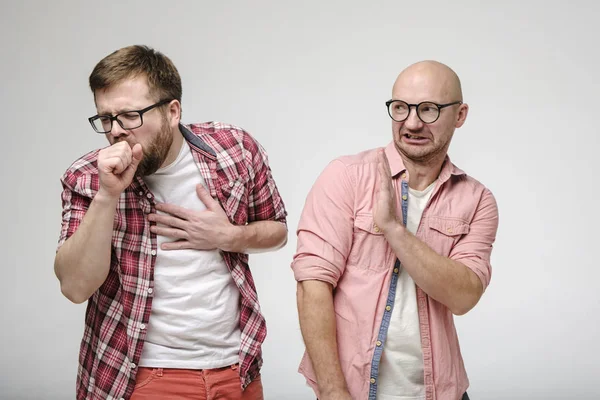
(401, 374)
(194, 322)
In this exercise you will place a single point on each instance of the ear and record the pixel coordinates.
(463, 110)
(174, 112)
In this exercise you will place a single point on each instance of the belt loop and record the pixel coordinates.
(159, 372)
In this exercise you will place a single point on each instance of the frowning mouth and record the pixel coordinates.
(413, 137)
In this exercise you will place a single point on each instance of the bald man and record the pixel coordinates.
(392, 243)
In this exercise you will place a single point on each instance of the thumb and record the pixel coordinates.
(204, 197)
(137, 154)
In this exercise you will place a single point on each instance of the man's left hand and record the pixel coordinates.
(201, 230)
(384, 207)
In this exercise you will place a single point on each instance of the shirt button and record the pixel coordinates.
(132, 365)
(153, 252)
(141, 193)
(403, 175)
(449, 230)
(143, 326)
(388, 308)
(378, 343)
(376, 228)
(395, 270)
(231, 184)
(404, 197)
(149, 195)
(150, 290)
(372, 381)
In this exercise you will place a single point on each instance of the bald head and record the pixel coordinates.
(427, 81)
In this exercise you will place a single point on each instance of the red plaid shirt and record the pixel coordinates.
(236, 170)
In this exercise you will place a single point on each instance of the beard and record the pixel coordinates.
(155, 153)
(422, 154)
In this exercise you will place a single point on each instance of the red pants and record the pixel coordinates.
(188, 384)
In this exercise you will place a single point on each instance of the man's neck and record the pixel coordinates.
(421, 175)
(175, 148)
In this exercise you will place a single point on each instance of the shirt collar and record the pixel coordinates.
(195, 140)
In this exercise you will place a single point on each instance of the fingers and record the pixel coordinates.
(205, 197)
(384, 162)
(169, 232)
(168, 221)
(177, 245)
(182, 213)
(384, 179)
(181, 245)
(116, 158)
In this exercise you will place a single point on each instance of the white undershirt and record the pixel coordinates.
(401, 369)
(194, 322)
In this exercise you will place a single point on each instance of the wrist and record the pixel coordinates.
(393, 228)
(234, 240)
(105, 199)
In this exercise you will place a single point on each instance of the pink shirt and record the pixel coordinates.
(339, 243)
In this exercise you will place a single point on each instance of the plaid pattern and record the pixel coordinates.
(236, 170)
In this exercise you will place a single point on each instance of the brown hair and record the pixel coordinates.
(164, 81)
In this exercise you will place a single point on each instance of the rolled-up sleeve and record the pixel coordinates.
(264, 202)
(475, 248)
(325, 229)
(74, 207)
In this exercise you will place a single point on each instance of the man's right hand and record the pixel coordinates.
(116, 167)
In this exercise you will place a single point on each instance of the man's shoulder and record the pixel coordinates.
(358, 168)
(464, 178)
(464, 186)
(365, 157)
(84, 168)
(223, 136)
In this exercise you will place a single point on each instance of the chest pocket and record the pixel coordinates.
(234, 200)
(370, 249)
(444, 233)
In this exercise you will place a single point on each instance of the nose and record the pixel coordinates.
(413, 122)
(116, 130)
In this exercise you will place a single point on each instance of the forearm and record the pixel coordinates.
(83, 261)
(445, 280)
(317, 323)
(257, 237)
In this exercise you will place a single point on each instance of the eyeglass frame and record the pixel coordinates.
(439, 106)
(116, 117)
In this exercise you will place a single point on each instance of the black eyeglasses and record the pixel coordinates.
(127, 119)
(427, 111)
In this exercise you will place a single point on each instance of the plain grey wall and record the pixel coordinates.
(309, 79)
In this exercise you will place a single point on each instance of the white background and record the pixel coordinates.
(309, 80)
